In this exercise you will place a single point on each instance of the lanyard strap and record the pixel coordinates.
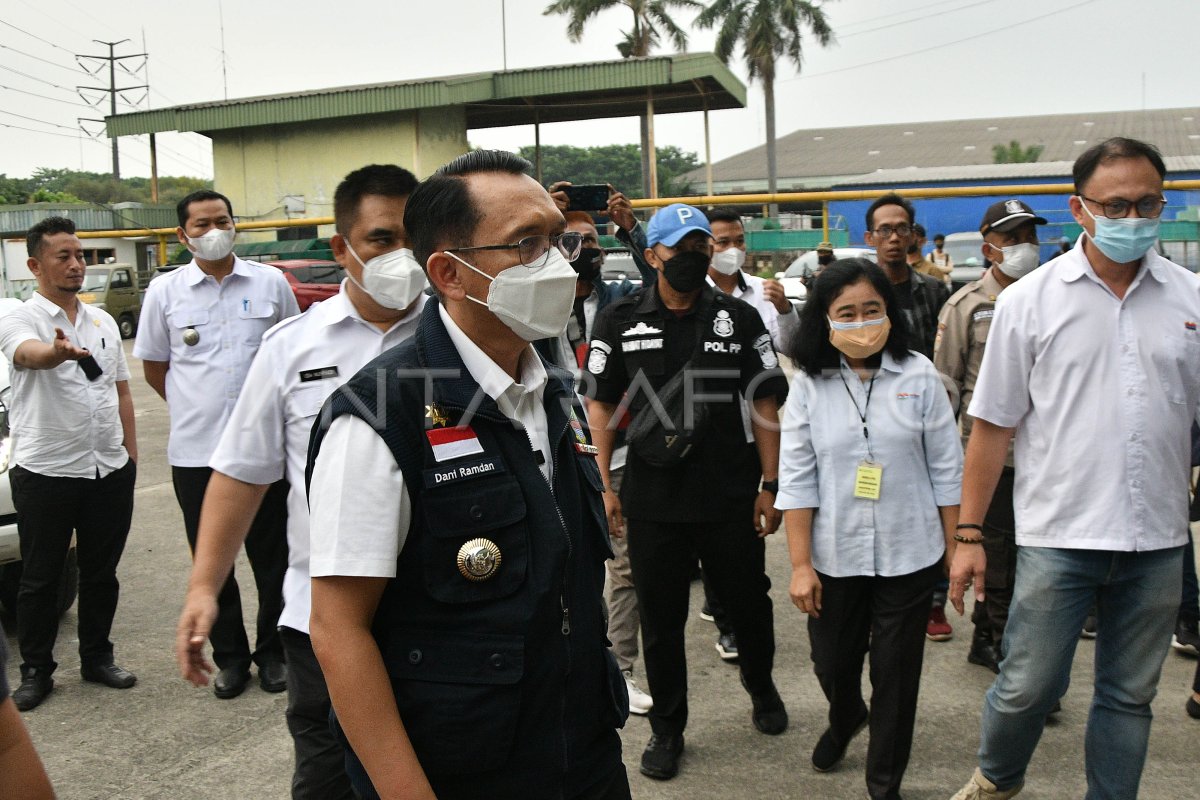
(862, 415)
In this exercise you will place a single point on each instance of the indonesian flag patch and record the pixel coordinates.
(448, 443)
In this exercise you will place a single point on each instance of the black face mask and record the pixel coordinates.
(825, 261)
(587, 264)
(686, 271)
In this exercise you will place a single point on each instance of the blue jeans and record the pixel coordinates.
(1137, 597)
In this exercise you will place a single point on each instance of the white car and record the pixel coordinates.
(799, 270)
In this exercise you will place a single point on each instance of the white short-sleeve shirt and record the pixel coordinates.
(1102, 392)
(780, 326)
(359, 503)
(226, 321)
(301, 362)
(64, 425)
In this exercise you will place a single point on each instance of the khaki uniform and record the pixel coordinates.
(927, 267)
(963, 326)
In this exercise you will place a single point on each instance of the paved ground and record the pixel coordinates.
(164, 739)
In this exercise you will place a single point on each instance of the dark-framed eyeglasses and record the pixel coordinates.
(886, 231)
(534, 250)
(1149, 207)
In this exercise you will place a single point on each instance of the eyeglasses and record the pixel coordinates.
(886, 231)
(534, 250)
(1148, 207)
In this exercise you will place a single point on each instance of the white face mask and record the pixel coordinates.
(729, 261)
(214, 245)
(1019, 259)
(393, 280)
(534, 303)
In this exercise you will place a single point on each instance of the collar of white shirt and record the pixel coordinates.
(1077, 266)
(887, 363)
(339, 308)
(487, 373)
(51, 308)
(194, 274)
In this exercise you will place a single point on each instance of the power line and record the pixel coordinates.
(39, 80)
(881, 17)
(35, 36)
(35, 119)
(39, 58)
(923, 51)
(48, 133)
(893, 25)
(43, 97)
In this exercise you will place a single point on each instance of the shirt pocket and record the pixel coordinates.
(256, 318)
(182, 320)
(1178, 365)
(306, 401)
(459, 513)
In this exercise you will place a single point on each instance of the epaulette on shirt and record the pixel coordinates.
(965, 291)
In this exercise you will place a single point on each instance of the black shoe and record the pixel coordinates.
(829, 752)
(660, 759)
(1187, 637)
(727, 647)
(32, 691)
(1192, 708)
(110, 675)
(231, 682)
(769, 715)
(984, 653)
(272, 676)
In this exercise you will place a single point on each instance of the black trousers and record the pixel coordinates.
(1000, 545)
(887, 617)
(266, 547)
(98, 511)
(715, 608)
(663, 558)
(320, 772)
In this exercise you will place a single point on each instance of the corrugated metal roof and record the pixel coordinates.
(986, 172)
(683, 82)
(17, 219)
(806, 154)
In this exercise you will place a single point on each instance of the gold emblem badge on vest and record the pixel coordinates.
(479, 559)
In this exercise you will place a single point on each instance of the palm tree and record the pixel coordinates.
(649, 18)
(769, 30)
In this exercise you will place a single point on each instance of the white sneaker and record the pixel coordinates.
(639, 702)
(980, 788)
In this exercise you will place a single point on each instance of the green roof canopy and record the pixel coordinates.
(683, 82)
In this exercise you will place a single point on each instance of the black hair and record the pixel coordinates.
(724, 214)
(181, 208)
(890, 199)
(35, 237)
(810, 347)
(919, 229)
(941, 236)
(1110, 150)
(441, 211)
(386, 180)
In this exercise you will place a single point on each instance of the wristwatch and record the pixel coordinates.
(771, 486)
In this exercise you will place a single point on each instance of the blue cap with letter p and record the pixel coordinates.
(674, 222)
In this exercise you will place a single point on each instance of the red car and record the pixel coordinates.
(312, 280)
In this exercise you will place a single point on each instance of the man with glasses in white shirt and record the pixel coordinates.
(1093, 362)
(199, 330)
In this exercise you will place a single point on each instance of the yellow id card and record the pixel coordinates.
(868, 481)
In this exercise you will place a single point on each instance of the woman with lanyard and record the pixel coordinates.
(869, 480)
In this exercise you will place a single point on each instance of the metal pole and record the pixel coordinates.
(112, 97)
(154, 169)
(537, 146)
(504, 33)
(707, 152)
(825, 220)
(650, 143)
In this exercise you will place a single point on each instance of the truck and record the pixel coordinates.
(116, 289)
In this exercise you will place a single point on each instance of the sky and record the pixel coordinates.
(907, 61)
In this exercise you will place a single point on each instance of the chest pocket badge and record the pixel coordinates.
(479, 559)
(191, 337)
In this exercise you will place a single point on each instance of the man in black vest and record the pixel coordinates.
(709, 503)
(458, 530)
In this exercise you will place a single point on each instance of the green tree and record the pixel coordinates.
(618, 164)
(65, 185)
(1014, 153)
(649, 17)
(769, 31)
